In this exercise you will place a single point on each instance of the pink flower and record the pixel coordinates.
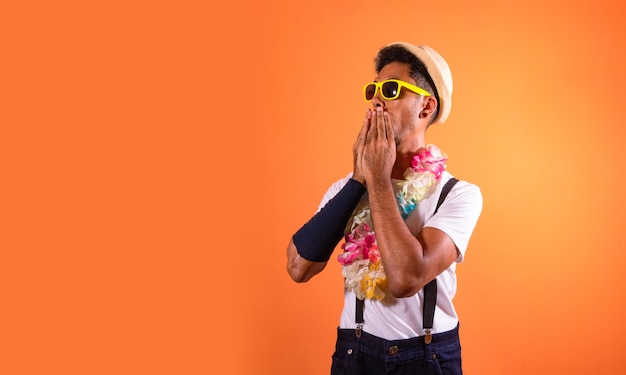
(372, 253)
(431, 159)
(360, 244)
(351, 254)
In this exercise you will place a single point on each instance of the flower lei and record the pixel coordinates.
(361, 265)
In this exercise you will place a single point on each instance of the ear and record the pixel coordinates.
(430, 105)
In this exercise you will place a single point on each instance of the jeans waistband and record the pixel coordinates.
(380, 347)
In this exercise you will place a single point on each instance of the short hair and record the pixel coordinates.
(417, 69)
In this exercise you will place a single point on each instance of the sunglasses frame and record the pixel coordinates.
(401, 84)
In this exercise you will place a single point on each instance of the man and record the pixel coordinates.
(398, 236)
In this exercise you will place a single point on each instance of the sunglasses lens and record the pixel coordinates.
(370, 91)
(390, 90)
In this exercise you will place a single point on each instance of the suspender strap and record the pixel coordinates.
(430, 302)
(444, 192)
(430, 289)
(358, 315)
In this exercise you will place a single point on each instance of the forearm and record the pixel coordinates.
(401, 252)
(312, 245)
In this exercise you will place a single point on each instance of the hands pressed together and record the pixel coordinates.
(375, 148)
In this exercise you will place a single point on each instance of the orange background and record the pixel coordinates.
(157, 157)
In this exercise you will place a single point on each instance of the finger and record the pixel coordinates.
(388, 128)
(380, 124)
(360, 139)
(372, 134)
(366, 125)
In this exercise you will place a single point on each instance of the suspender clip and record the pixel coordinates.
(358, 330)
(429, 336)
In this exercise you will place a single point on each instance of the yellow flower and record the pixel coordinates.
(373, 281)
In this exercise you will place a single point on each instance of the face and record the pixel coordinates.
(404, 112)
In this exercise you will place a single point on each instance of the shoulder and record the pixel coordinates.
(462, 191)
(464, 199)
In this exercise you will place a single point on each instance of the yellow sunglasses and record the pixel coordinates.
(390, 89)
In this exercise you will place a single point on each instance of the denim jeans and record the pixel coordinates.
(369, 354)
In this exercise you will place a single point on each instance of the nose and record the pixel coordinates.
(377, 100)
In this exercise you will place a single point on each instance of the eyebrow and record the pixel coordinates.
(387, 79)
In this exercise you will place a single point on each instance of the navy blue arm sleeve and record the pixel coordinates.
(317, 239)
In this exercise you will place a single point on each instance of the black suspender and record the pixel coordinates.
(444, 192)
(430, 289)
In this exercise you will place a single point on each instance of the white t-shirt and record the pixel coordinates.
(401, 318)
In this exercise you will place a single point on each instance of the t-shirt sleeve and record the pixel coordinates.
(458, 214)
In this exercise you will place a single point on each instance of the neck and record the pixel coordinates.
(404, 156)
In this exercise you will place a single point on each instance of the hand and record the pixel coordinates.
(357, 149)
(378, 154)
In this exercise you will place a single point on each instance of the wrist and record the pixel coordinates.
(359, 177)
(380, 188)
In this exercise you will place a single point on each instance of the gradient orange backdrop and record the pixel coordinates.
(157, 157)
